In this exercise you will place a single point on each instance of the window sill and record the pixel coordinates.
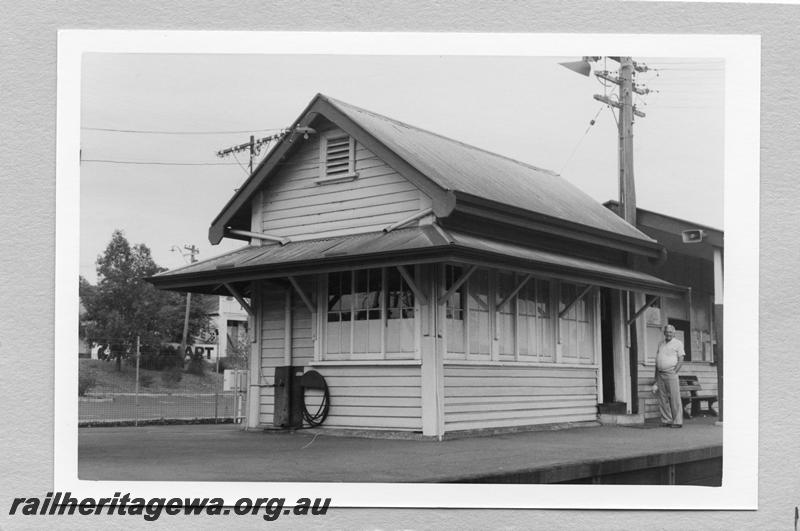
(692, 362)
(337, 178)
(522, 364)
(363, 362)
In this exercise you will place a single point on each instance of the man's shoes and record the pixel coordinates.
(676, 425)
(666, 425)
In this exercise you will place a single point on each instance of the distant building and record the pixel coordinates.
(229, 321)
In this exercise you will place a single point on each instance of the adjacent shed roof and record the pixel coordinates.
(667, 230)
(444, 168)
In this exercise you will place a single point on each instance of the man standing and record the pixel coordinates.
(669, 359)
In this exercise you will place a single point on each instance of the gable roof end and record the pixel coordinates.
(445, 170)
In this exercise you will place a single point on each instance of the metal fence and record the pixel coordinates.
(140, 389)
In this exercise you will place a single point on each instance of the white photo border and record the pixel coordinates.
(741, 194)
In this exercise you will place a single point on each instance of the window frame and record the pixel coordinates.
(321, 354)
(592, 313)
(552, 353)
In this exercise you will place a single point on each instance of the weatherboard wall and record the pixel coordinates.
(295, 204)
(648, 404)
(374, 396)
(494, 396)
(273, 335)
(369, 395)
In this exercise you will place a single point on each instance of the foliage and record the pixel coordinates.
(109, 380)
(237, 354)
(197, 365)
(123, 305)
(172, 377)
(145, 380)
(85, 382)
(159, 358)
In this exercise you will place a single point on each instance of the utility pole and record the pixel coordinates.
(193, 250)
(253, 147)
(627, 190)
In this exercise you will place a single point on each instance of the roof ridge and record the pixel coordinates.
(432, 133)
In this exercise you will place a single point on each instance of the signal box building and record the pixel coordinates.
(435, 286)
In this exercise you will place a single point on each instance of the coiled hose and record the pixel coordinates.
(314, 380)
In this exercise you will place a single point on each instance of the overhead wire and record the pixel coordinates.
(156, 132)
(240, 164)
(158, 163)
(592, 122)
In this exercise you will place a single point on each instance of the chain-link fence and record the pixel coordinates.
(124, 383)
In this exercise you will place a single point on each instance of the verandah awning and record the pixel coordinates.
(423, 244)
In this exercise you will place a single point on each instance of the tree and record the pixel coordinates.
(123, 305)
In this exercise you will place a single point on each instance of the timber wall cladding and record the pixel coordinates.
(705, 372)
(362, 396)
(375, 397)
(272, 345)
(295, 205)
(273, 334)
(478, 396)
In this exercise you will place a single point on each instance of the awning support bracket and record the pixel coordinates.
(457, 284)
(240, 299)
(515, 291)
(574, 301)
(306, 300)
(413, 285)
(651, 299)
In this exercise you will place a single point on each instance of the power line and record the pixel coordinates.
(585, 133)
(158, 163)
(685, 63)
(240, 163)
(687, 69)
(155, 132)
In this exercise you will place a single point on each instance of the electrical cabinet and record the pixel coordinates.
(288, 408)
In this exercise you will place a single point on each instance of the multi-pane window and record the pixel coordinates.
(576, 325)
(480, 346)
(400, 315)
(371, 314)
(524, 325)
(535, 326)
(504, 316)
(467, 315)
(455, 308)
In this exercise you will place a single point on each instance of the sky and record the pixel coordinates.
(151, 125)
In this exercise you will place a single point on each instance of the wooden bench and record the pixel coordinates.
(690, 385)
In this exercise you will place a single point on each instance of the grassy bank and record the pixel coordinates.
(109, 380)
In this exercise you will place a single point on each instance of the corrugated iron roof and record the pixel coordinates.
(366, 250)
(321, 250)
(460, 167)
(442, 166)
(564, 265)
